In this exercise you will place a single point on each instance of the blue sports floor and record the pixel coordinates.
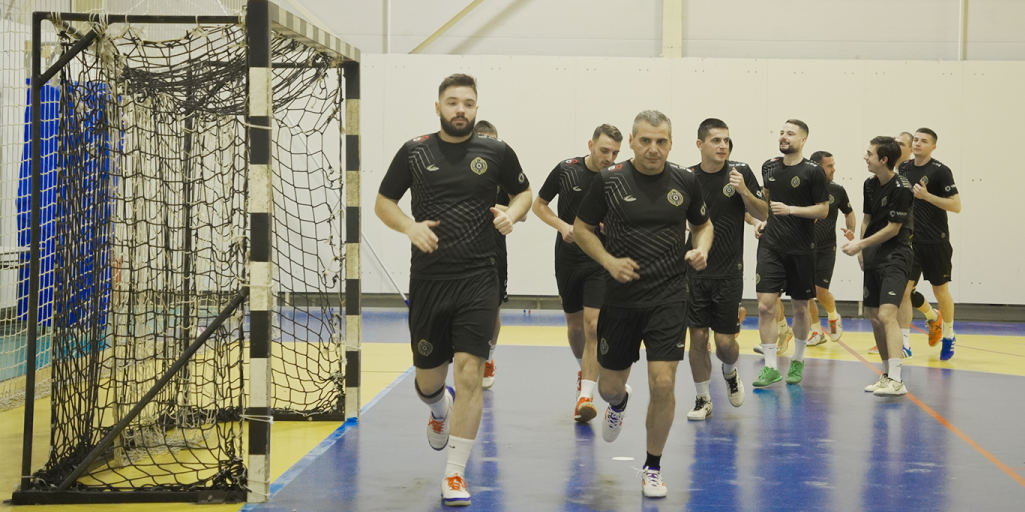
(954, 443)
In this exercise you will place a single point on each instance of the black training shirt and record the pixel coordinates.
(570, 180)
(825, 229)
(726, 210)
(801, 184)
(930, 220)
(885, 204)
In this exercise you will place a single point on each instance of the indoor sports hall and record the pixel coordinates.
(200, 307)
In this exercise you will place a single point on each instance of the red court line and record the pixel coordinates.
(991, 351)
(943, 421)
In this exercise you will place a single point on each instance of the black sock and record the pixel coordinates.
(653, 461)
(621, 406)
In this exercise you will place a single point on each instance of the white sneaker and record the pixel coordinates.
(734, 388)
(877, 384)
(489, 375)
(836, 328)
(453, 491)
(702, 409)
(783, 341)
(817, 338)
(437, 428)
(891, 388)
(652, 485)
(613, 421)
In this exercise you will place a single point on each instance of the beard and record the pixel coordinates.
(787, 150)
(452, 130)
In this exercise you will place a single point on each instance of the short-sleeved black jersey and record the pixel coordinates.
(646, 219)
(569, 180)
(825, 229)
(885, 204)
(801, 184)
(726, 210)
(930, 220)
(454, 184)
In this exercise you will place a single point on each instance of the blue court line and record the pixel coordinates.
(324, 445)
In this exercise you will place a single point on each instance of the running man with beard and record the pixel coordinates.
(580, 279)
(453, 285)
(796, 190)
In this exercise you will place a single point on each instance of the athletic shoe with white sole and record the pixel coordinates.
(489, 375)
(877, 384)
(734, 388)
(907, 353)
(453, 491)
(652, 485)
(613, 423)
(437, 428)
(783, 340)
(817, 339)
(891, 388)
(702, 409)
(836, 328)
(873, 350)
(935, 328)
(585, 410)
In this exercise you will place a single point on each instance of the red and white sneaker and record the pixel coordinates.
(453, 491)
(489, 375)
(578, 384)
(585, 410)
(836, 328)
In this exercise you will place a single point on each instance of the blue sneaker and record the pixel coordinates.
(948, 348)
(907, 353)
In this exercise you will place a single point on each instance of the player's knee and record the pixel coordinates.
(917, 299)
(661, 386)
(766, 309)
(609, 391)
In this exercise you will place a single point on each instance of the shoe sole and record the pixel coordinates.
(757, 385)
(702, 418)
(456, 502)
(487, 385)
(646, 495)
(586, 414)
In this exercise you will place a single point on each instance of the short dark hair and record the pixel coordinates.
(458, 80)
(819, 156)
(609, 131)
(731, 147)
(654, 118)
(800, 124)
(485, 128)
(928, 132)
(708, 124)
(886, 147)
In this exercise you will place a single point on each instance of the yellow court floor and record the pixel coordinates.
(383, 362)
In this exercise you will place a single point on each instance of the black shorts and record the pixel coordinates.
(502, 264)
(580, 286)
(620, 331)
(885, 284)
(452, 315)
(791, 273)
(715, 303)
(825, 260)
(934, 261)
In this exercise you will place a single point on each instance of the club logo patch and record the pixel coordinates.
(883, 203)
(925, 180)
(521, 178)
(704, 210)
(728, 190)
(866, 292)
(424, 348)
(758, 278)
(795, 182)
(478, 165)
(830, 198)
(604, 347)
(675, 198)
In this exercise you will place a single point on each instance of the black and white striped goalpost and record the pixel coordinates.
(353, 228)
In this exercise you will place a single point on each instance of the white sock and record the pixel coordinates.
(580, 363)
(458, 453)
(894, 371)
(833, 315)
(948, 329)
(931, 315)
(799, 350)
(728, 369)
(491, 354)
(906, 333)
(702, 388)
(814, 329)
(769, 351)
(587, 388)
(440, 408)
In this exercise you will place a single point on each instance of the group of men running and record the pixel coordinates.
(647, 250)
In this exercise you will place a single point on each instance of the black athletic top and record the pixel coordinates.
(825, 229)
(503, 199)
(646, 220)
(887, 203)
(570, 181)
(802, 184)
(930, 220)
(726, 210)
(454, 184)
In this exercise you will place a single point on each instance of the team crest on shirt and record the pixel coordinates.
(728, 190)
(424, 348)
(830, 198)
(675, 197)
(604, 347)
(925, 180)
(479, 166)
(883, 202)
(795, 182)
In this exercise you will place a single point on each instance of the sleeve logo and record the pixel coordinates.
(728, 190)
(479, 166)
(521, 177)
(795, 182)
(675, 198)
(830, 198)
